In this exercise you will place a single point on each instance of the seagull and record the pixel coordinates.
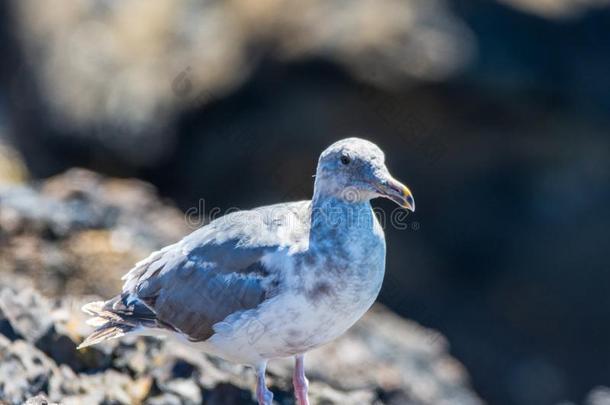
(275, 281)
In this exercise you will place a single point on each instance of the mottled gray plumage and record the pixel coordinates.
(217, 270)
(269, 282)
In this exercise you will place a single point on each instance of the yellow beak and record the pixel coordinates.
(397, 192)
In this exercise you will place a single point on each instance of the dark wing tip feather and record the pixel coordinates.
(115, 318)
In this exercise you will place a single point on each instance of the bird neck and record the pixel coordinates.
(335, 216)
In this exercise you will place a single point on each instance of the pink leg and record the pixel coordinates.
(299, 381)
(263, 395)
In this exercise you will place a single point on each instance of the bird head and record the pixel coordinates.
(354, 170)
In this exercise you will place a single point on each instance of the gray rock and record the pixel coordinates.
(24, 371)
(79, 232)
(192, 66)
(186, 389)
(39, 400)
(382, 360)
(164, 399)
(26, 312)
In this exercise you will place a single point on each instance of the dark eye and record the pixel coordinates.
(345, 159)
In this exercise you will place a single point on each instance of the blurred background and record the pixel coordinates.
(495, 113)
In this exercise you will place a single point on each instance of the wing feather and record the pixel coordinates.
(215, 272)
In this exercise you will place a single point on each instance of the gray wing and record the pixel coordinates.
(216, 271)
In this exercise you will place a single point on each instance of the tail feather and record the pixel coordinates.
(107, 331)
(97, 321)
(114, 318)
(93, 308)
(100, 309)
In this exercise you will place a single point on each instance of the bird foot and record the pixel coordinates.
(300, 392)
(264, 397)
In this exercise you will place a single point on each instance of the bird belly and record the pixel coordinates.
(293, 322)
(323, 301)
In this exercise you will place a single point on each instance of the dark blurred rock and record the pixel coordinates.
(229, 394)
(558, 9)
(166, 62)
(12, 168)
(599, 396)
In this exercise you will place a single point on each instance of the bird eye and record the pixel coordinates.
(345, 159)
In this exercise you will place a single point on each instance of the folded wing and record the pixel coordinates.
(190, 286)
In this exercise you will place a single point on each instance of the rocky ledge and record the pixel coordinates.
(71, 237)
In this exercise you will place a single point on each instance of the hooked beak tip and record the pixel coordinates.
(399, 193)
(409, 202)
